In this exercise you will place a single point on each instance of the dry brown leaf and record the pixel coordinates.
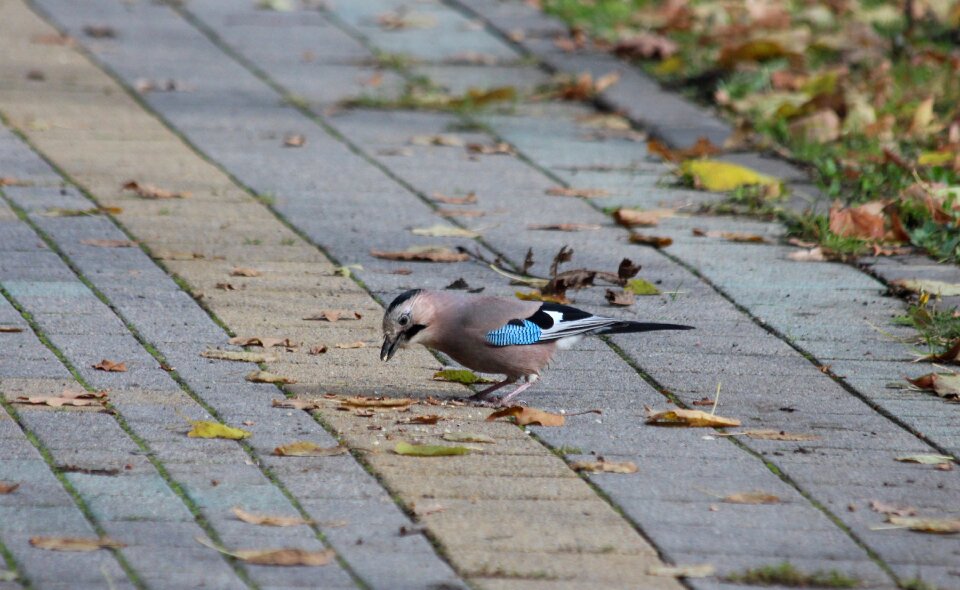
(53, 39)
(693, 418)
(538, 296)
(470, 198)
(238, 355)
(632, 217)
(441, 139)
(315, 350)
(583, 193)
(756, 497)
(109, 243)
(946, 386)
(308, 449)
(295, 403)
(564, 226)
(769, 434)
(334, 315)
(422, 419)
(703, 147)
(950, 356)
(922, 124)
(278, 557)
(10, 330)
(866, 222)
(648, 240)
(347, 345)
(584, 87)
(646, 46)
(75, 543)
(376, 402)
(8, 488)
(268, 377)
(502, 147)
(893, 509)
(460, 213)
(811, 255)
(110, 366)
(264, 342)
(243, 271)
(422, 254)
(604, 466)
(67, 398)
(940, 526)
(148, 191)
(99, 31)
(730, 236)
(295, 140)
(268, 520)
(621, 298)
(525, 416)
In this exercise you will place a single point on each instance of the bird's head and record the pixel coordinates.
(403, 322)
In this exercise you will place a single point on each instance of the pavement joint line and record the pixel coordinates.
(75, 495)
(184, 386)
(319, 119)
(10, 563)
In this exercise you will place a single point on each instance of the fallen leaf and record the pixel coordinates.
(751, 498)
(693, 418)
(604, 466)
(762, 434)
(294, 141)
(268, 520)
(950, 355)
(822, 126)
(53, 39)
(583, 193)
(75, 543)
(704, 570)
(525, 416)
(894, 509)
(278, 557)
(441, 139)
(717, 176)
(205, 429)
(444, 231)
(405, 448)
(148, 191)
(10, 330)
(583, 86)
(66, 398)
(264, 342)
(648, 240)
(109, 243)
(267, 377)
(538, 296)
(811, 255)
(470, 198)
(309, 449)
(645, 46)
(59, 212)
(422, 254)
(144, 85)
(421, 419)
(99, 31)
(110, 366)
(632, 217)
(946, 386)
(733, 236)
(641, 287)
(500, 148)
(315, 350)
(925, 459)
(460, 213)
(467, 437)
(922, 124)
(334, 315)
(940, 526)
(8, 488)
(464, 376)
(376, 402)
(402, 19)
(295, 403)
(928, 286)
(565, 226)
(348, 345)
(238, 355)
(866, 222)
(242, 271)
(621, 298)
(703, 147)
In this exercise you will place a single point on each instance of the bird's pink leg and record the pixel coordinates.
(531, 379)
(482, 395)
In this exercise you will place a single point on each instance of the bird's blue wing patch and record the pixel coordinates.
(515, 333)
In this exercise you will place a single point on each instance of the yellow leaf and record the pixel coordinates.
(308, 449)
(468, 438)
(203, 429)
(641, 287)
(75, 543)
(671, 65)
(464, 376)
(405, 448)
(929, 286)
(267, 520)
(714, 175)
(525, 416)
(925, 459)
(604, 466)
(267, 377)
(538, 296)
(941, 526)
(694, 418)
(935, 158)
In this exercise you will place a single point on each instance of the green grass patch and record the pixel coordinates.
(785, 574)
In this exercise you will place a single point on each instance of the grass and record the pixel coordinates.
(785, 574)
(917, 584)
(936, 328)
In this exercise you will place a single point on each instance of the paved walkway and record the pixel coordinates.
(201, 97)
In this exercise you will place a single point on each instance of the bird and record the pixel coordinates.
(510, 337)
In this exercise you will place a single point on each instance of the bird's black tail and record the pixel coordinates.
(628, 327)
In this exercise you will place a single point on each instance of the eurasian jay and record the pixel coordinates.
(510, 337)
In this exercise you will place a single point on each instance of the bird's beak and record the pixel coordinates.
(389, 347)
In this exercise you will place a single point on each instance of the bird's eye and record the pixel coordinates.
(404, 320)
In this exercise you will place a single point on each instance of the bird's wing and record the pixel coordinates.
(551, 321)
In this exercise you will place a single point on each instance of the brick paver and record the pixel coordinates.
(513, 516)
